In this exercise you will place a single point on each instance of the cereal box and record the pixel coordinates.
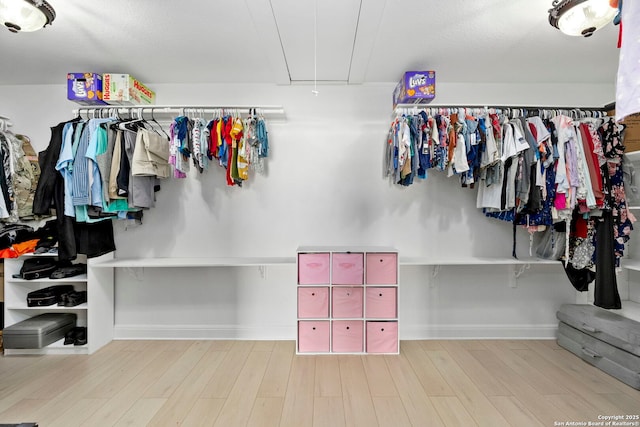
(123, 89)
(85, 88)
(415, 87)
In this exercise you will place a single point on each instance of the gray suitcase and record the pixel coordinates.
(603, 324)
(614, 361)
(38, 331)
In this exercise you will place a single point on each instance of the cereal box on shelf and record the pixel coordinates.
(123, 89)
(415, 87)
(85, 88)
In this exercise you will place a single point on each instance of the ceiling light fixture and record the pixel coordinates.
(26, 15)
(581, 17)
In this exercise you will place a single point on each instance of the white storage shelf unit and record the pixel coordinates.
(347, 300)
(96, 314)
(631, 260)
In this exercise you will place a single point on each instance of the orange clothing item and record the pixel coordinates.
(19, 249)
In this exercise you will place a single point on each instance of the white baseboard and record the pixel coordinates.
(203, 332)
(288, 332)
(425, 332)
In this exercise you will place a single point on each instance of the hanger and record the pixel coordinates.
(153, 119)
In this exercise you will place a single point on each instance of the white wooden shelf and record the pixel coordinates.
(432, 261)
(78, 278)
(633, 156)
(630, 264)
(54, 307)
(57, 347)
(97, 314)
(630, 310)
(194, 262)
(265, 261)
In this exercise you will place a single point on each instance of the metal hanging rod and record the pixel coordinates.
(545, 107)
(273, 112)
(526, 109)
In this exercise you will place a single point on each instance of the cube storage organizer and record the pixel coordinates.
(347, 300)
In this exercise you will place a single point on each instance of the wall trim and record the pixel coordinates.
(478, 331)
(288, 332)
(204, 332)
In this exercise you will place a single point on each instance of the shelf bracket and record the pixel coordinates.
(262, 269)
(516, 272)
(435, 270)
(135, 272)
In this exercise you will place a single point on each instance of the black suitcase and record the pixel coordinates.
(47, 296)
(37, 268)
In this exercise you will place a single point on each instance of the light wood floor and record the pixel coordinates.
(263, 383)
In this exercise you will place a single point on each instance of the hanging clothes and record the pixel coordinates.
(237, 145)
(536, 172)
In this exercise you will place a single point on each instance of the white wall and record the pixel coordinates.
(324, 186)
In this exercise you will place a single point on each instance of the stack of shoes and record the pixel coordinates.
(71, 299)
(76, 336)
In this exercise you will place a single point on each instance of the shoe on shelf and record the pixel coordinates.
(70, 337)
(63, 299)
(80, 336)
(76, 336)
(75, 298)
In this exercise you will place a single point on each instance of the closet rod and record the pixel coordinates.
(509, 109)
(273, 112)
(513, 107)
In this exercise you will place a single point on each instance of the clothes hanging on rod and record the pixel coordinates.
(20, 175)
(234, 137)
(235, 143)
(108, 163)
(53, 197)
(534, 167)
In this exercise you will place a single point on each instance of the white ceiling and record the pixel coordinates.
(272, 41)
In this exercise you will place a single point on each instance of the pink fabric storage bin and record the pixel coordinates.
(347, 269)
(382, 337)
(313, 302)
(313, 336)
(313, 269)
(347, 302)
(382, 269)
(381, 303)
(348, 336)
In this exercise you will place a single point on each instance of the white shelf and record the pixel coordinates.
(630, 264)
(78, 278)
(97, 314)
(630, 310)
(194, 262)
(633, 156)
(54, 307)
(264, 261)
(57, 347)
(476, 261)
